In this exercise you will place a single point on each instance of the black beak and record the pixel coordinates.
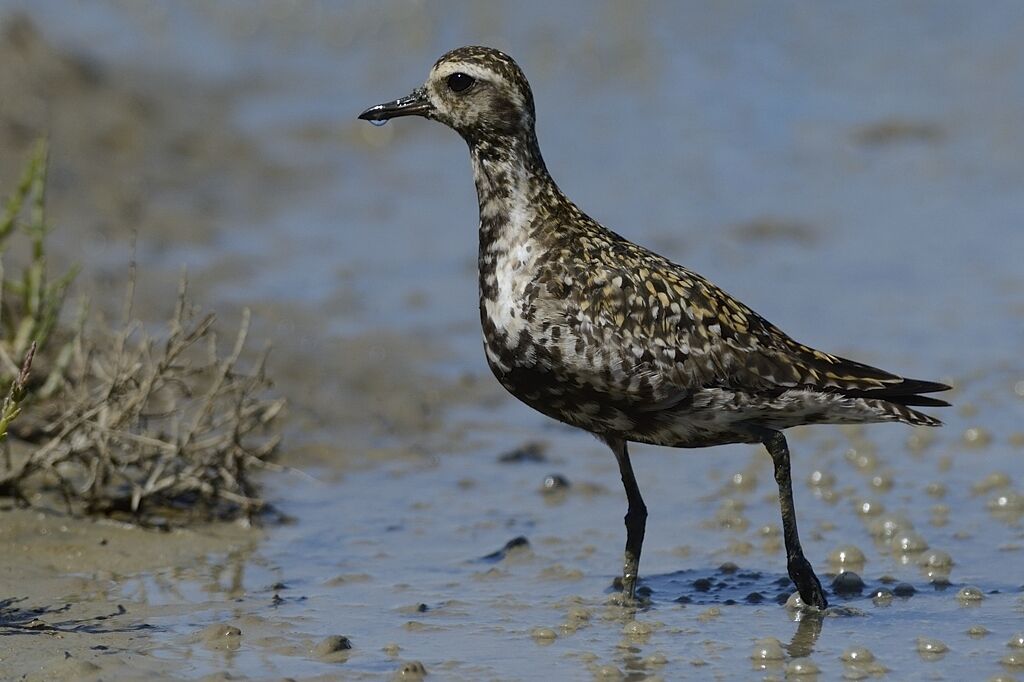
(415, 104)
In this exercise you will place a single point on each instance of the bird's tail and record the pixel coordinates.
(900, 412)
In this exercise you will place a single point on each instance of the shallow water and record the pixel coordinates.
(851, 172)
(399, 555)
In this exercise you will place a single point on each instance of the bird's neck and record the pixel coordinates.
(513, 188)
(511, 183)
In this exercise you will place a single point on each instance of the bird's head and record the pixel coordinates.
(479, 92)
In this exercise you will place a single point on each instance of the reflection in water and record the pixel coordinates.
(220, 576)
(808, 629)
(228, 576)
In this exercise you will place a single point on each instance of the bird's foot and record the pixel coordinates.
(626, 585)
(628, 593)
(807, 583)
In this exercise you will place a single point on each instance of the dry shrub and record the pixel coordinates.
(119, 420)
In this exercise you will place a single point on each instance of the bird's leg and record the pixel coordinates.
(799, 568)
(636, 519)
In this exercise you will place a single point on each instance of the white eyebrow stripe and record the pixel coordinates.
(470, 69)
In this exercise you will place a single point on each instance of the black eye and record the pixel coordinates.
(459, 82)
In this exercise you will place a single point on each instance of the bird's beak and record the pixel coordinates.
(415, 104)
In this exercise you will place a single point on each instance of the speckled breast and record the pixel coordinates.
(529, 370)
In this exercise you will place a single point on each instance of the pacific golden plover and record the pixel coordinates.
(600, 333)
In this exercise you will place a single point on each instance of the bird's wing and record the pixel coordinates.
(677, 332)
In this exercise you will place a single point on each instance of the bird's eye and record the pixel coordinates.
(460, 82)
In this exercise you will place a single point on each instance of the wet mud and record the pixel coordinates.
(818, 167)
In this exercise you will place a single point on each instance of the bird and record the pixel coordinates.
(600, 333)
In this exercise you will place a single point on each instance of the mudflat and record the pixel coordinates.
(841, 177)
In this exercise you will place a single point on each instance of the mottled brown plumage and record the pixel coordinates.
(600, 333)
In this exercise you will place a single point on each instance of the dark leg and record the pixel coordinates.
(799, 568)
(636, 518)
